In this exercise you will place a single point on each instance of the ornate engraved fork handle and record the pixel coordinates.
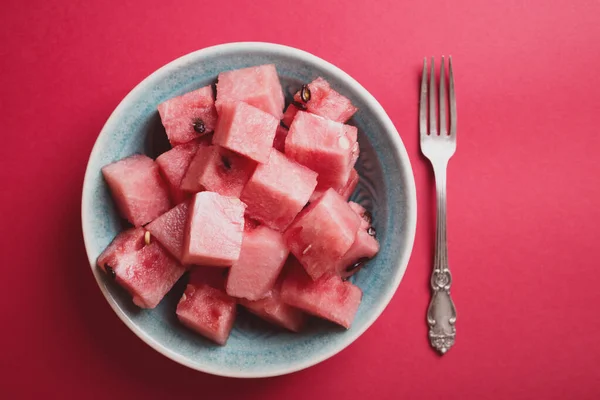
(441, 315)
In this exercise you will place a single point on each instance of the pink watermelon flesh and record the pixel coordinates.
(279, 141)
(361, 212)
(329, 148)
(326, 102)
(289, 115)
(147, 273)
(173, 166)
(328, 297)
(350, 185)
(179, 114)
(258, 86)
(126, 242)
(218, 170)
(364, 247)
(246, 130)
(272, 309)
(169, 229)
(278, 190)
(214, 231)
(261, 259)
(322, 234)
(208, 311)
(137, 188)
(346, 191)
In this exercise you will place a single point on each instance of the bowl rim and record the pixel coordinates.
(400, 153)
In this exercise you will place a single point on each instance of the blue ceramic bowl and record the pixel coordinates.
(386, 188)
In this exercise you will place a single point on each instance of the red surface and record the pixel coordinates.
(523, 193)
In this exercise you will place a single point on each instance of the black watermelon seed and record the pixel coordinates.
(357, 264)
(372, 232)
(305, 93)
(226, 162)
(199, 126)
(111, 272)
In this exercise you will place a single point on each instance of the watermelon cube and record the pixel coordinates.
(346, 191)
(279, 141)
(272, 308)
(364, 247)
(146, 272)
(328, 297)
(261, 259)
(329, 148)
(169, 229)
(322, 234)
(188, 116)
(246, 130)
(125, 243)
(278, 190)
(214, 231)
(289, 115)
(365, 218)
(173, 165)
(137, 188)
(258, 86)
(208, 311)
(326, 102)
(219, 170)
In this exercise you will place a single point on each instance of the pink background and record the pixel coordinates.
(523, 193)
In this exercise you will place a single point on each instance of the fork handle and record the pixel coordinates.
(441, 314)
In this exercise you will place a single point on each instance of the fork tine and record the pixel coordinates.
(432, 94)
(452, 98)
(423, 101)
(443, 124)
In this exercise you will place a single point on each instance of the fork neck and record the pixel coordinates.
(441, 247)
(439, 170)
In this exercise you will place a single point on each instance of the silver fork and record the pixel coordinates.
(438, 148)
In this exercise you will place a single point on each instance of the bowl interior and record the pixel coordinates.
(386, 188)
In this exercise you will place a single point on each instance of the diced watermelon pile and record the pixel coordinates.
(258, 214)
